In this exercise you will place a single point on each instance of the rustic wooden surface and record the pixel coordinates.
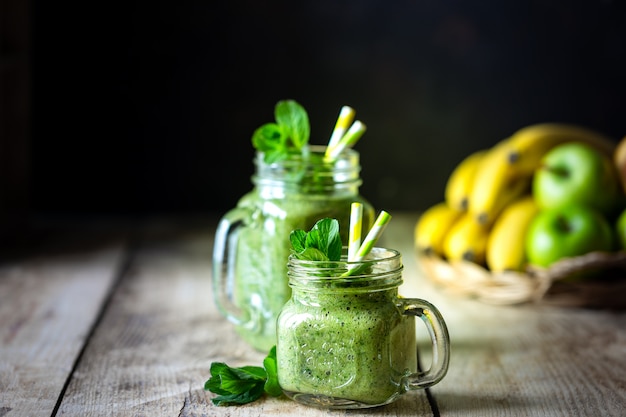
(127, 327)
(48, 306)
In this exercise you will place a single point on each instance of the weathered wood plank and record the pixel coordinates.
(48, 305)
(530, 360)
(151, 354)
(152, 350)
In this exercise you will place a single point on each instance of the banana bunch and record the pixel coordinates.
(488, 204)
(508, 168)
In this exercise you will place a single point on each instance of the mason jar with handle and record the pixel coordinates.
(252, 244)
(347, 340)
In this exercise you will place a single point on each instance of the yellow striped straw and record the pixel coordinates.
(356, 222)
(346, 115)
(348, 140)
(375, 232)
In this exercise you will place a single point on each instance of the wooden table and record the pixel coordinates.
(123, 324)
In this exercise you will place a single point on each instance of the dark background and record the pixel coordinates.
(147, 107)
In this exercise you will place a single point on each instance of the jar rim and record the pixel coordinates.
(310, 169)
(380, 270)
(320, 150)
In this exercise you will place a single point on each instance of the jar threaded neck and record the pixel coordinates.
(381, 270)
(310, 171)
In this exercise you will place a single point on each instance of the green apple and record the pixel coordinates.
(563, 232)
(576, 173)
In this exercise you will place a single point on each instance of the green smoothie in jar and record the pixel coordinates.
(293, 188)
(261, 283)
(348, 340)
(323, 353)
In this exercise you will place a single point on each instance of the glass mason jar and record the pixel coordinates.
(252, 244)
(347, 340)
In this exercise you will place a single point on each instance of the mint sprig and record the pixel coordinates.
(289, 134)
(321, 243)
(271, 386)
(244, 384)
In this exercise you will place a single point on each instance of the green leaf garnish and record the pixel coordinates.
(321, 243)
(292, 116)
(290, 134)
(270, 139)
(298, 239)
(244, 384)
(271, 384)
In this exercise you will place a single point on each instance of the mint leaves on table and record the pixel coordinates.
(289, 134)
(244, 384)
(271, 386)
(322, 243)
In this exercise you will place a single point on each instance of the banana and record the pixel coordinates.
(619, 160)
(432, 226)
(466, 240)
(506, 243)
(506, 171)
(528, 145)
(495, 185)
(459, 184)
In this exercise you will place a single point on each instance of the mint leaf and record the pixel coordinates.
(329, 238)
(244, 384)
(235, 385)
(312, 254)
(321, 243)
(295, 119)
(271, 385)
(271, 139)
(215, 383)
(290, 134)
(243, 398)
(298, 239)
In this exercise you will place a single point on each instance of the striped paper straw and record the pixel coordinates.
(375, 232)
(346, 115)
(348, 140)
(356, 222)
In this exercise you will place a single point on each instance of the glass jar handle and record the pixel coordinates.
(224, 262)
(440, 339)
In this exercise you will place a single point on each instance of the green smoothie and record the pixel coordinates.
(345, 345)
(295, 184)
(252, 246)
(261, 285)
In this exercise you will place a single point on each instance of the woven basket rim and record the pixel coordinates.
(557, 285)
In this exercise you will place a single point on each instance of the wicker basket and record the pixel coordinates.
(557, 285)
